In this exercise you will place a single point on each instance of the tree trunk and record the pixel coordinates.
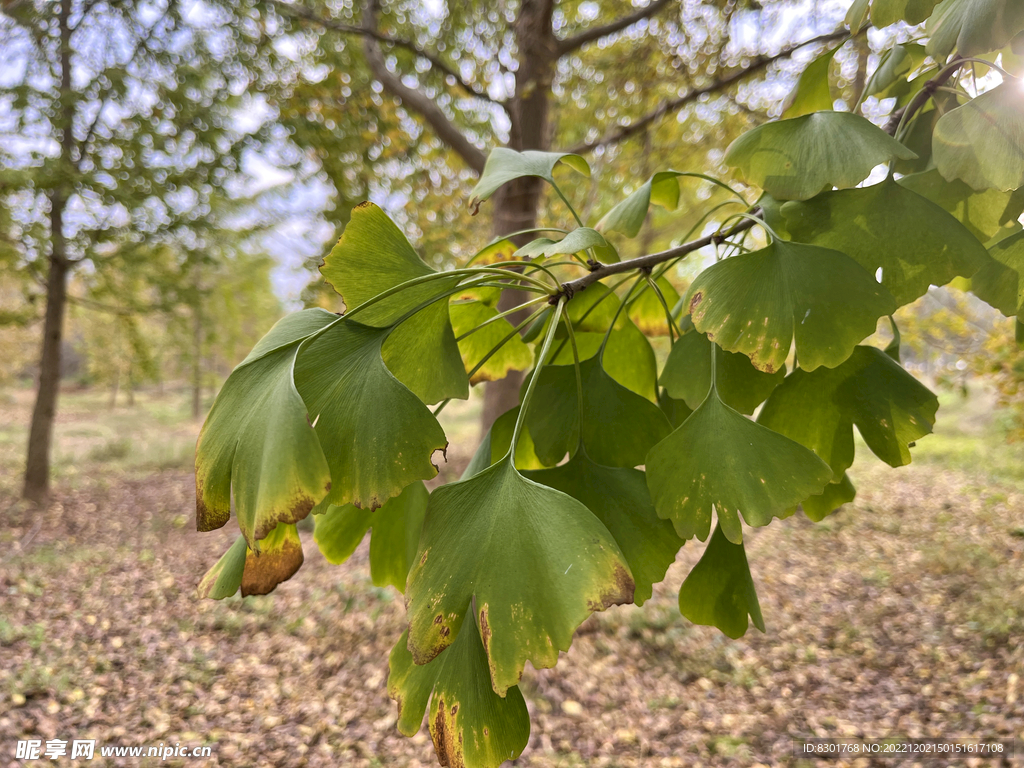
(37, 464)
(515, 205)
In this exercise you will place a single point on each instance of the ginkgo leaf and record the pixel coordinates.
(719, 591)
(687, 375)
(914, 242)
(718, 458)
(798, 158)
(577, 241)
(983, 213)
(504, 165)
(982, 142)
(894, 65)
(498, 250)
(256, 446)
(886, 12)
(535, 561)
(470, 724)
(619, 426)
(818, 409)
(394, 537)
(648, 313)
(812, 92)
(677, 411)
(1009, 252)
(973, 27)
(373, 256)
(279, 558)
(627, 217)
(628, 357)
(378, 437)
(756, 303)
(620, 499)
(857, 16)
(497, 442)
(821, 505)
(513, 355)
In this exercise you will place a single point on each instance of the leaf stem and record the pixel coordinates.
(548, 338)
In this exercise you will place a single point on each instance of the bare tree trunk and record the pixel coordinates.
(37, 464)
(515, 205)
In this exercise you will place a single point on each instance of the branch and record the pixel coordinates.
(596, 33)
(602, 271)
(674, 105)
(304, 14)
(416, 99)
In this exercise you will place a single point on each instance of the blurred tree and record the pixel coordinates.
(399, 98)
(118, 122)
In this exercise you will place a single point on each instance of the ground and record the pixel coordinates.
(901, 614)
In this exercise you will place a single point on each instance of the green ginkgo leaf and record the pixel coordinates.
(470, 725)
(256, 446)
(983, 213)
(913, 241)
(280, 556)
(627, 217)
(982, 142)
(758, 302)
(812, 92)
(819, 409)
(687, 375)
(857, 16)
(719, 591)
(973, 27)
(890, 77)
(821, 505)
(619, 426)
(374, 256)
(620, 499)
(505, 165)
(395, 534)
(577, 241)
(677, 411)
(1009, 252)
(648, 312)
(378, 437)
(534, 561)
(497, 442)
(718, 458)
(798, 158)
(886, 12)
(513, 355)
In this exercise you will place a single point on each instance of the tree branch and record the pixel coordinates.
(596, 33)
(673, 105)
(304, 14)
(416, 99)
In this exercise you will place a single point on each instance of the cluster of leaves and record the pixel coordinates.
(553, 519)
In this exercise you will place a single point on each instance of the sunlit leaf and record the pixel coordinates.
(798, 158)
(982, 142)
(895, 64)
(973, 27)
(534, 561)
(647, 311)
(719, 591)
(577, 241)
(819, 409)
(983, 213)
(628, 357)
(687, 375)
(470, 724)
(857, 16)
(719, 458)
(514, 355)
(504, 165)
(256, 446)
(620, 499)
(279, 558)
(627, 217)
(496, 443)
(812, 92)
(912, 240)
(886, 12)
(376, 434)
(758, 302)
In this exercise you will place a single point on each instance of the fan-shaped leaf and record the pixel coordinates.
(756, 303)
(256, 445)
(812, 92)
(798, 158)
(719, 591)
(719, 458)
(1010, 253)
(973, 27)
(280, 556)
(577, 241)
(821, 505)
(504, 165)
(647, 311)
(982, 142)
(535, 562)
(513, 355)
(627, 217)
(619, 426)
(912, 240)
(620, 499)
(376, 434)
(469, 723)
(687, 375)
(818, 409)
(394, 539)
(886, 12)
(983, 213)
(857, 16)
